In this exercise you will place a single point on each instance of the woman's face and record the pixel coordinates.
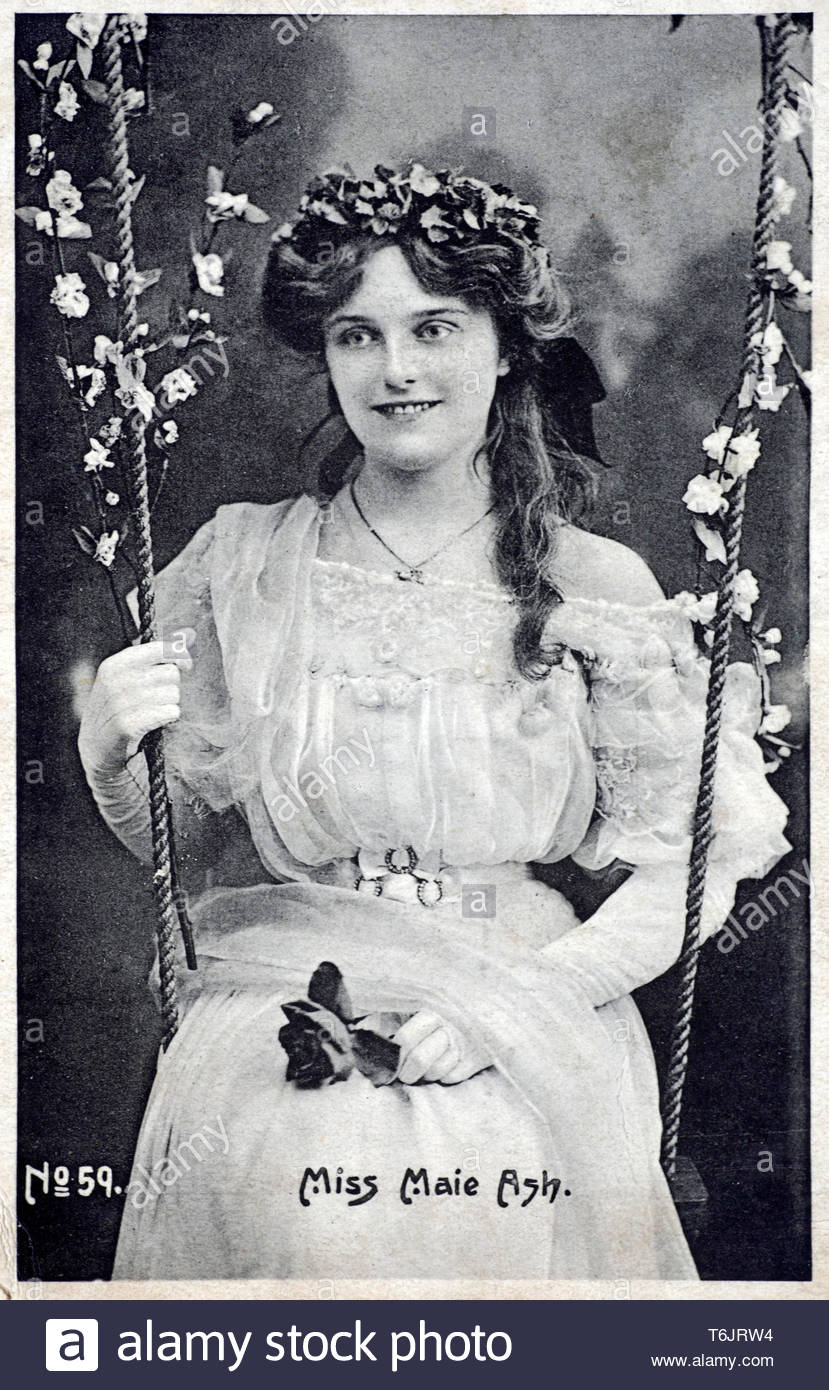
(414, 373)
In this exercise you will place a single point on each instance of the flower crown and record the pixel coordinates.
(442, 206)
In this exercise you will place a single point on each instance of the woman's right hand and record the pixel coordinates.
(433, 1050)
(136, 690)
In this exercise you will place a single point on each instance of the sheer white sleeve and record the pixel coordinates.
(185, 621)
(648, 690)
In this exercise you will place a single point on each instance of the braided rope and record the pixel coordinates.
(163, 870)
(775, 42)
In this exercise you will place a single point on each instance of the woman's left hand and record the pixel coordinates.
(433, 1050)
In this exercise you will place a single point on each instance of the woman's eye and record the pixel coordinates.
(355, 337)
(435, 330)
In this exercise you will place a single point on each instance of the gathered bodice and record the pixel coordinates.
(345, 711)
(414, 728)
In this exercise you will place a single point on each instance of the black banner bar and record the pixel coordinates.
(461, 1343)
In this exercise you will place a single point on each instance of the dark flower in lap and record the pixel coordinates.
(324, 1043)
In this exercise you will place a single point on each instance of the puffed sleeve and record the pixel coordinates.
(647, 696)
(648, 685)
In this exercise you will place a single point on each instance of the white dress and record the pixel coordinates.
(360, 725)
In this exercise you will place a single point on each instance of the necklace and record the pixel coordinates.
(414, 573)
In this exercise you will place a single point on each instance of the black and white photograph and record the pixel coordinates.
(412, 621)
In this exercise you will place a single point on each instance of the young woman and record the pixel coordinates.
(397, 699)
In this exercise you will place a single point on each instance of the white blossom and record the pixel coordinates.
(746, 594)
(775, 718)
(704, 494)
(111, 430)
(93, 376)
(96, 383)
(37, 155)
(791, 125)
(97, 458)
(779, 256)
(770, 392)
(209, 272)
(86, 28)
(106, 547)
(259, 112)
(111, 276)
(222, 206)
(716, 443)
(742, 453)
(62, 195)
(798, 279)
(771, 343)
(178, 385)
(784, 196)
(423, 181)
(105, 350)
(736, 453)
(131, 391)
(69, 296)
(138, 25)
(67, 103)
(44, 56)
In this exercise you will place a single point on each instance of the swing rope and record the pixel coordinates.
(775, 39)
(169, 902)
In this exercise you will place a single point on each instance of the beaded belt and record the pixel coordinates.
(399, 875)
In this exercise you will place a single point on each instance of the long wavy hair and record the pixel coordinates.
(537, 479)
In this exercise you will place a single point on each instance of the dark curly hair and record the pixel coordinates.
(537, 479)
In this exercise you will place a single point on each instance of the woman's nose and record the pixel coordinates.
(399, 368)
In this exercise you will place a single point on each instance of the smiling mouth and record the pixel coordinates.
(407, 408)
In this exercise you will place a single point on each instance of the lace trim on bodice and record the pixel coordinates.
(477, 621)
(388, 642)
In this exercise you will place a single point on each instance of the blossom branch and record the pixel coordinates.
(733, 449)
(119, 373)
